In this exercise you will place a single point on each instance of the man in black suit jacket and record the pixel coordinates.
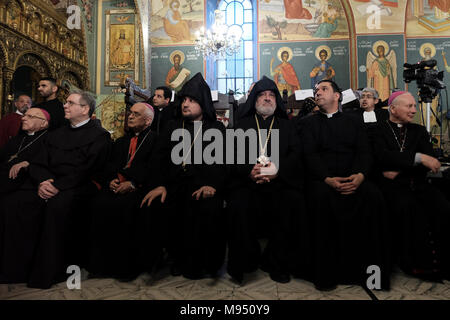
(164, 110)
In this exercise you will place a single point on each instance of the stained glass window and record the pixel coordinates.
(235, 71)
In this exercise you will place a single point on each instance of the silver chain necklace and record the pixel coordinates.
(402, 147)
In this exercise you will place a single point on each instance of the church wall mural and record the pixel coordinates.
(301, 20)
(379, 16)
(428, 18)
(175, 21)
(300, 65)
(364, 42)
(173, 66)
(380, 63)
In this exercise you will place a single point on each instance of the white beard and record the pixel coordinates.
(265, 111)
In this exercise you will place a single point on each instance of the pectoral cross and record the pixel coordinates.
(14, 156)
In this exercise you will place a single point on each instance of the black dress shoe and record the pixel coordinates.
(325, 288)
(280, 277)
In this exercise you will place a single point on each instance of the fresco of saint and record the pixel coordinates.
(381, 69)
(284, 74)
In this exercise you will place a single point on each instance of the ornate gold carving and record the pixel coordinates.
(34, 34)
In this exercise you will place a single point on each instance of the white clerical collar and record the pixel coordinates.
(329, 115)
(30, 133)
(18, 112)
(399, 125)
(80, 124)
(369, 116)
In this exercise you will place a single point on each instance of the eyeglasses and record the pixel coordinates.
(71, 103)
(134, 114)
(32, 117)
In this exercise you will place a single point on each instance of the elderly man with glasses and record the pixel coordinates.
(16, 155)
(45, 223)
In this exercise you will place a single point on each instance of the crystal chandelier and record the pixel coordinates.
(220, 40)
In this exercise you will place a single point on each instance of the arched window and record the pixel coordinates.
(235, 72)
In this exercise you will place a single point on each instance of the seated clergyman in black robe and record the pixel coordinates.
(16, 155)
(119, 231)
(47, 223)
(265, 191)
(419, 212)
(346, 210)
(190, 189)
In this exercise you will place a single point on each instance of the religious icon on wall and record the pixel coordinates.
(381, 67)
(322, 69)
(284, 74)
(122, 44)
(427, 51)
(177, 75)
(122, 47)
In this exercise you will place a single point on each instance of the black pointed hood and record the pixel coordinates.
(198, 89)
(248, 109)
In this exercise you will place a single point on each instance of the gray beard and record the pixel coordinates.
(265, 111)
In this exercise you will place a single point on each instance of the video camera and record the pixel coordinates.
(429, 80)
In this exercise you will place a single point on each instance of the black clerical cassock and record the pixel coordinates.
(348, 230)
(419, 212)
(123, 241)
(273, 210)
(162, 118)
(195, 236)
(44, 237)
(23, 147)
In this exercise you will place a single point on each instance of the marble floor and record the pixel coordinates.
(257, 286)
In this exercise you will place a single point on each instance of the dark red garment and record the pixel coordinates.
(9, 127)
(443, 5)
(132, 150)
(295, 10)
